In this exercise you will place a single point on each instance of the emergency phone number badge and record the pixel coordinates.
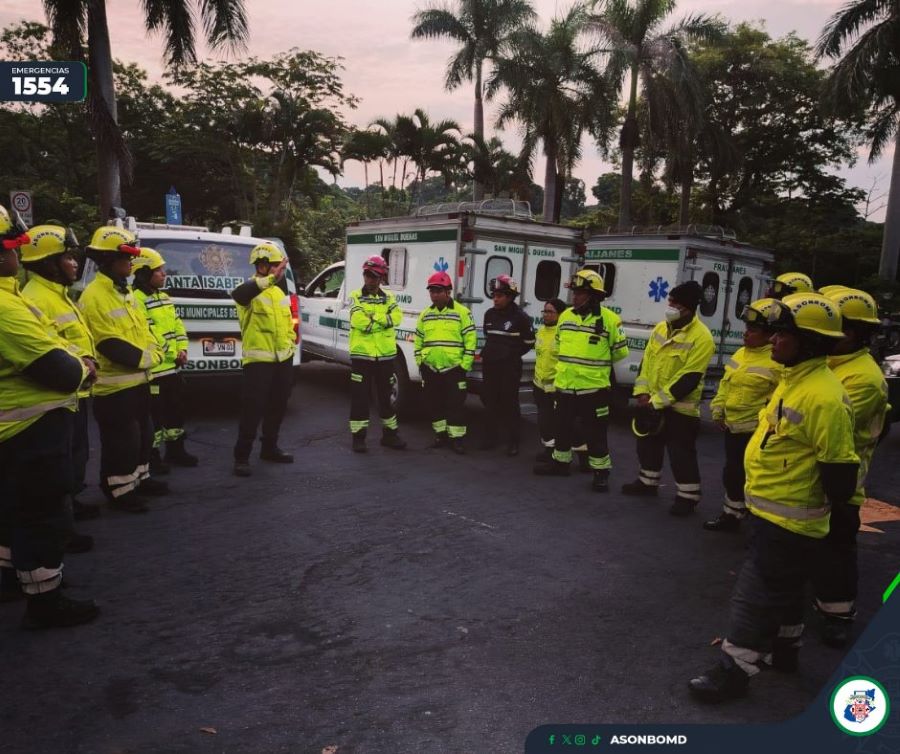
(36, 81)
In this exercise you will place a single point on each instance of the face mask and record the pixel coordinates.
(673, 314)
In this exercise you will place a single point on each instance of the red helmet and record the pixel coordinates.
(377, 265)
(440, 279)
(504, 284)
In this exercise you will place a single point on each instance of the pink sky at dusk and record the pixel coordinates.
(391, 74)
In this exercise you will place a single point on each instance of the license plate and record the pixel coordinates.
(225, 347)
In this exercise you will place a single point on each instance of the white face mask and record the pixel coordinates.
(673, 314)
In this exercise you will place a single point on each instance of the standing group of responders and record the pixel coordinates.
(802, 406)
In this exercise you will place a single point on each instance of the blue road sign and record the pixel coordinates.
(173, 207)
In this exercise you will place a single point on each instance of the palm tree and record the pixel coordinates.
(556, 92)
(430, 145)
(638, 50)
(364, 147)
(481, 27)
(224, 24)
(867, 78)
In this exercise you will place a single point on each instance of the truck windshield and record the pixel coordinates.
(202, 269)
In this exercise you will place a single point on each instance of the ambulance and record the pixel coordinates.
(473, 243)
(640, 269)
(203, 268)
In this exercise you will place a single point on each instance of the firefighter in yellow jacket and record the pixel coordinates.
(668, 389)
(127, 352)
(40, 376)
(590, 341)
(167, 387)
(444, 348)
(801, 470)
(54, 261)
(374, 315)
(269, 343)
(750, 378)
(837, 577)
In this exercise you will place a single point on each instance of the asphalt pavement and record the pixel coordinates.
(393, 603)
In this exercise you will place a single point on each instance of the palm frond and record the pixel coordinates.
(68, 23)
(225, 23)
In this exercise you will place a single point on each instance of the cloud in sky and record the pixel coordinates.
(391, 74)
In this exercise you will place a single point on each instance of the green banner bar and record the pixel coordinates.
(205, 311)
(406, 236)
(887, 592)
(646, 255)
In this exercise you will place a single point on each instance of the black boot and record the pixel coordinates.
(638, 489)
(682, 506)
(600, 482)
(458, 446)
(83, 511)
(390, 438)
(359, 441)
(242, 467)
(10, 589)
(836, 630)
(725, 681)
(440, 440)
(723, 522)
(551, 467)
(178, 456)
(157, 465)
(153, 487)
(786, 655)
(53, 610)
(276, 455)
(545, 455)
(128, 503)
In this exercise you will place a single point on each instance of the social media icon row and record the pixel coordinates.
(567, 739)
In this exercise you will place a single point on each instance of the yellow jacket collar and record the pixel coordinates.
(834, 361)
(10, 285)
(803, 369)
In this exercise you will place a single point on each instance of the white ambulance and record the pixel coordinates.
(640, 269)
(473, 243)
(203, 268)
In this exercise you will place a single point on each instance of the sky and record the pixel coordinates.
(392, 74)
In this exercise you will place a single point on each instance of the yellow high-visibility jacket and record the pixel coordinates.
(372, 322)
(750, 378)
(445, 338)
(588, 346)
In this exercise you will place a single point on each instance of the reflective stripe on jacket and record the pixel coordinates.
(546, 348)
(508, 334)
(750, 378)
(807, 421)
(868, 392)
(445, 338)
(53, 300)
(25, 336)
(588, 346)
(112, 313)
(671, 355)
(267, 330)
(166, 326)
(372, 322)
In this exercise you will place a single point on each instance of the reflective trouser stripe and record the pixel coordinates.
(158, 437)
(390, 422)
(791, 632)
(580, 448)
(746, 659)
(358, 426)
(356, 377)
(734, 507)
(439, 426)
(143, 471)
(649, 478)
(548, 443)
(5, 557)
(456, 432)
(122, 478)
(40, 580)
(602, 411)
(600, 464)
(843, 609)
(689, 491)
(172, 434)
(563, 456)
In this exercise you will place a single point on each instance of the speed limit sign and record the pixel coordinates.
(21, 203)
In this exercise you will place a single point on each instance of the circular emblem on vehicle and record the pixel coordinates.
(859, 705)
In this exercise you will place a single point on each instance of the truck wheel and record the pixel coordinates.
(403, 392)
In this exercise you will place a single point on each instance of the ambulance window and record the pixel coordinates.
(396, 261)
(607, 271)
(744, 295)
(495, 267)
(546, 283)
(709, 301)
(328, 284)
